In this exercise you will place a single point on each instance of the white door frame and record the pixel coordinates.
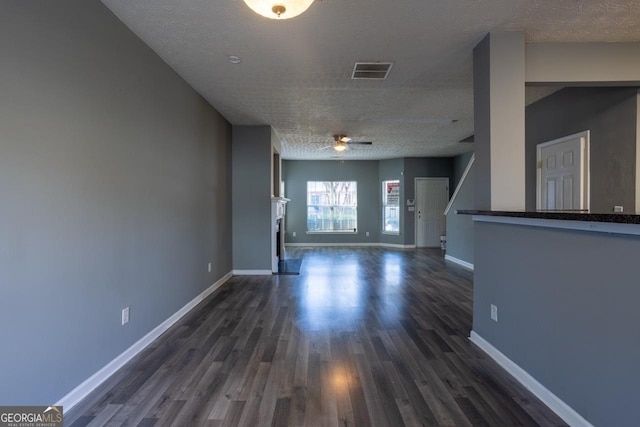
(585, 179)
(415, 195)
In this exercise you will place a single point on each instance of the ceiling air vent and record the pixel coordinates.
(371, 70)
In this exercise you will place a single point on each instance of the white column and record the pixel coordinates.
(498, 79)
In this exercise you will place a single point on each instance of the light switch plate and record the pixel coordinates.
(125, 315)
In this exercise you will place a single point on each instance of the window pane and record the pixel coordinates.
(346, 193)
(391, 194)
(318, 218)
(392, 218)
(344, 219)
(318, 193)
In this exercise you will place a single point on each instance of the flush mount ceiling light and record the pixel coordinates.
(279, 9)
(340, 146)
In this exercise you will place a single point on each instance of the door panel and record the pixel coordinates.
(551, 193)
(432, 196)
(563, 173)
(567, 191)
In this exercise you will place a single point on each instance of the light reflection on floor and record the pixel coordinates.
(392, 268)
(338, 292)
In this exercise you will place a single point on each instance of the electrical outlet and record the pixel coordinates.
(294, 234)
(125, 315)
(209, 267)
(618, 209)
(367, 233)
(494, 313)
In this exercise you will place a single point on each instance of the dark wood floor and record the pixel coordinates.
(362, 337)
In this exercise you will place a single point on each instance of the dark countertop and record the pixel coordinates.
(618, 218)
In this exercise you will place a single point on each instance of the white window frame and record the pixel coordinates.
(385, 204)
(333, 204)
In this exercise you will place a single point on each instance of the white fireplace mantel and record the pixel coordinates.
(278, 211)
(278, 207)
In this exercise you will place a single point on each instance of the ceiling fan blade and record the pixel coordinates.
(360, 142)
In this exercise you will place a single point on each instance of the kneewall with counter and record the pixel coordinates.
(567, 313)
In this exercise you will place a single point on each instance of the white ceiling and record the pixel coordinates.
(295, 74)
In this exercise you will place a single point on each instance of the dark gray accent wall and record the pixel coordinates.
(422, 167)
(115, 183)
(365, 173)
(610, 114)
(252, 185)
(460, 227)
(575, 330)
(459, 165)
(388, 170)
(482, 122)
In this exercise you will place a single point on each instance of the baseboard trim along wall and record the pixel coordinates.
(395, 245)
(90, 384)
(458, 261)
(557, 405)
(333, 244)
(374, 245)
(252, 272)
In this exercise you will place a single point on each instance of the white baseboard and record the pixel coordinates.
(458, 261)
(374, 245)
(396, 245)
(252, 272)
(332, 244)
(80, 392)
(557, 405)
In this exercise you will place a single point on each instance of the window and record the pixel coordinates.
(391, 207)
(332, 206)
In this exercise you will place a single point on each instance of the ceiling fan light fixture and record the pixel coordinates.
(279, 9)
(340, 146)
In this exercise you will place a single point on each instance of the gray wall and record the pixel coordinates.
(573, 329)
(418, 167)
(365, 173)
(460, 227)
(610, 114)
(252, 185)
(369, 175)
(115, 185)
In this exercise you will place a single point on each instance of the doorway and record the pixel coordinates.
(563, 173)
(432, 196)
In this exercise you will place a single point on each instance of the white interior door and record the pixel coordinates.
(563, 173)
(432, 196)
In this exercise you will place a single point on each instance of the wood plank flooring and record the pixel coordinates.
(362, 337)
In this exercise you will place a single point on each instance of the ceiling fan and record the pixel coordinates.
(341, 142)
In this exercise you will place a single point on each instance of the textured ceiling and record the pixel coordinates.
(295, 74)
